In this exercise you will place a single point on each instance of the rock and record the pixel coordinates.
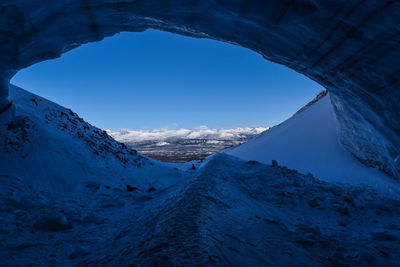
(384, 236)
(95, 186)
(77, 253)
(52, 222)
(130, 188)
(343, 210)
(151, 189)
(92, 218)
(314, 202)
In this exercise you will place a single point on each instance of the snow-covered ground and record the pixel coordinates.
(72, 196)
(308, 142)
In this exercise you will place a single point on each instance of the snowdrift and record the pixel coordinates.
(308, 142)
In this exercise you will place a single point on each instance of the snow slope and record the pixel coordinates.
(51, 148)
(308, 142)
(72, 196)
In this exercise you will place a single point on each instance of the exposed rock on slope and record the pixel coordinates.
(315, 100)
(50, 147)
(349, 47)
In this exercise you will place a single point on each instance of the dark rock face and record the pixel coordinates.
(350, 47)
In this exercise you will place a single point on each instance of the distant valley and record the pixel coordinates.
(182, 145)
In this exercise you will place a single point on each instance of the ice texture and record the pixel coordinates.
(349, 47)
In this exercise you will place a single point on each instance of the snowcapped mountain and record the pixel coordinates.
(182, 145)
(202, 132)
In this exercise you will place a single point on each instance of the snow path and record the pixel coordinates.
(229, 212)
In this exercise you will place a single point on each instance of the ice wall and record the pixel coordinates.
(350, 47)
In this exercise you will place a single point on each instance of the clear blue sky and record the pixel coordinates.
(157, 79)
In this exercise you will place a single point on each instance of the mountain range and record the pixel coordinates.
(182, 145)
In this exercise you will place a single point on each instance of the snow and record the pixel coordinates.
(308, 142)
(181, 145)
(202, 132)
(228, 212)
(63, 183)
(51, 147)
(70, 195)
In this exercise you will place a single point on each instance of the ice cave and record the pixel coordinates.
(71, 195)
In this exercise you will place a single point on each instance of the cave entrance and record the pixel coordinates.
(171, 97)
